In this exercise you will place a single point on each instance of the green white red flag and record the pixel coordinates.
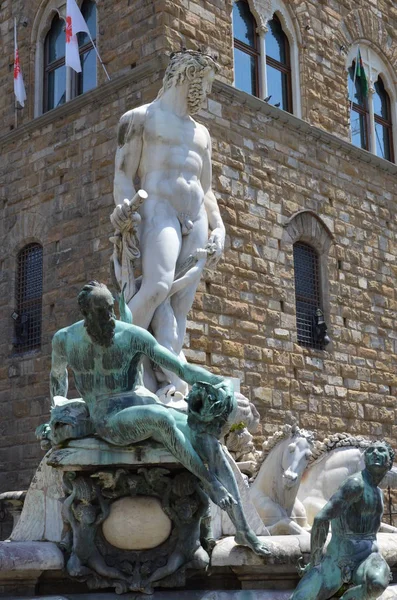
(361, 75)
(19, 87)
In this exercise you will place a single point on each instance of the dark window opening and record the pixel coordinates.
(28, 298)
(383, 122)
(246, 53)
(307, 294)
(86, 80)
(278, 66)
(54, 66)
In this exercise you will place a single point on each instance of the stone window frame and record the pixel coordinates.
(41, 26)
(308, 227)
(263, 11)
(29, 228)
(375, 66)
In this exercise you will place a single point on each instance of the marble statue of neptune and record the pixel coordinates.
(169, 153)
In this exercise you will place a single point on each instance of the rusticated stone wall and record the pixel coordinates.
(56, 177)
(265, 171)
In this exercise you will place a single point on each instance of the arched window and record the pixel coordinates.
(309, 239)
(383, 122)
(28, 298)
(86, 80)
(54, 65)
(266, 55)
(372, 105)
(278, 66)
(61, 84)
(246, 52)
(307, 294)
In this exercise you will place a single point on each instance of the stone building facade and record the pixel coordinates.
(279, 179)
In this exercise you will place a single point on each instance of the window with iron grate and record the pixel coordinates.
(28, 298)
(307, 294)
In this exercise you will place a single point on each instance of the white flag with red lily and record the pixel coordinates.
(19, 88)
(74, 24)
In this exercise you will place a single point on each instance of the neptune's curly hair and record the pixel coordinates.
(84, 297)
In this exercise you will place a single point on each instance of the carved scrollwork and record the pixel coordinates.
(93, 559)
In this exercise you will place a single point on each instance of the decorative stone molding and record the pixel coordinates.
(364, 25)
(289, 21)
(307, 226)
(29, 227)
(263, 10)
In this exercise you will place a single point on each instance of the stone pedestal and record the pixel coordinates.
(273, 578)
(85, 501)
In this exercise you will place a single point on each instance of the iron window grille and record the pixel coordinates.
(307, 295)
(28, 298)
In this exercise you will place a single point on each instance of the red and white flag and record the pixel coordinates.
(74, 24)
(19, 88)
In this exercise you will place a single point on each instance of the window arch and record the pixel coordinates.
(54, 82)
(28, 298)
(372, 105)
(273, 49)
(246, 52)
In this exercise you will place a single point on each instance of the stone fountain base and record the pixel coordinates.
(235, 572)
(34, 560)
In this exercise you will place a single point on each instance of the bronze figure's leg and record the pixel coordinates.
(138, 423)
(372, 577)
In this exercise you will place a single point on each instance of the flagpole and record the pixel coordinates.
(354, 88)
(100, 59)
(15, 100)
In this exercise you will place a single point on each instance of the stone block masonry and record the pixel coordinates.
(56, 178)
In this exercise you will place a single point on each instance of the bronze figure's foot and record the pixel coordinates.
(250, 539)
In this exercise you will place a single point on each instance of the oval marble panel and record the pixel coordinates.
(136, 523)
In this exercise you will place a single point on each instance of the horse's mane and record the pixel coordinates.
(338, 440)
(284, 433)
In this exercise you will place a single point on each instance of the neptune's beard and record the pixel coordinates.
(100, 331)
